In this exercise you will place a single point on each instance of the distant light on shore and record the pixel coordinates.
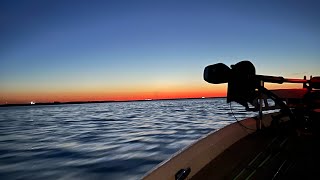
(32, 102)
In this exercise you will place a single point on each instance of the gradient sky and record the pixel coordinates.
(122, 50)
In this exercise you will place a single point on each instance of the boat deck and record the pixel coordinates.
(267, 154)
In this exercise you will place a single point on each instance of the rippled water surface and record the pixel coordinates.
(120, 140)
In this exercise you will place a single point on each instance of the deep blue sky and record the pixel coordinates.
(133, 45)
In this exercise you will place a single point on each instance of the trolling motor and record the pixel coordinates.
(245, 86)
(243, 82)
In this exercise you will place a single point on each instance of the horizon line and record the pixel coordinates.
(103, 101)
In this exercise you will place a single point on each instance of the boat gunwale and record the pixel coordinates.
(219, 140)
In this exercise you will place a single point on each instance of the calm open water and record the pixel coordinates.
(120, 140)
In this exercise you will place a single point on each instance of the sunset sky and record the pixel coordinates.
(126, 50)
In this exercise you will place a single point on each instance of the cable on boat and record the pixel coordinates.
(238, 120)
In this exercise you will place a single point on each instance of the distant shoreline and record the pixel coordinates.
(88, 102)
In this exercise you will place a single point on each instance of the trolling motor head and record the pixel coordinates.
(240, 78)
(217, 73)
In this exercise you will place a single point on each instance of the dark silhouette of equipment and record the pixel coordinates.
(245, 86)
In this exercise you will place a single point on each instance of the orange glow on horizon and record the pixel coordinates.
(121, 95)
(166, 92)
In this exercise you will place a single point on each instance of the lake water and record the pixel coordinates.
(121, 140)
